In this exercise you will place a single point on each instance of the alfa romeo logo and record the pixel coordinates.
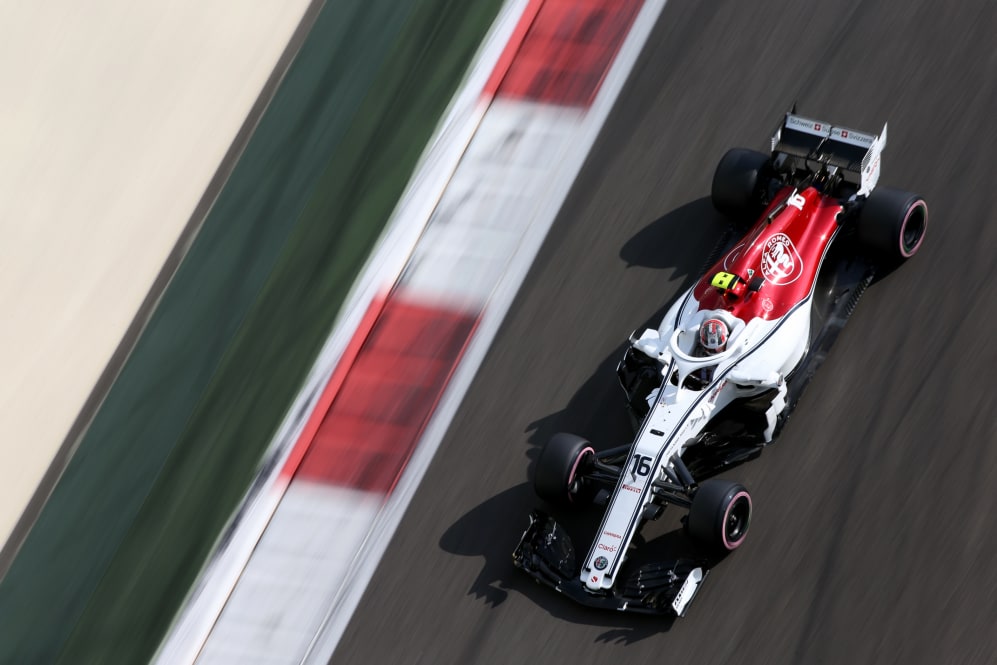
(781, 263)
(600, 563)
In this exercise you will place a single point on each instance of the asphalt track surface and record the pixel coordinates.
(873, 538)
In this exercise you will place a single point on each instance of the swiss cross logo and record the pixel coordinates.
(844, 133)
(817, 126)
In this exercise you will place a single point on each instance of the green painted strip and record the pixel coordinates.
(178, 439)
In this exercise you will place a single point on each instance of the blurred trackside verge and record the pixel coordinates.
(288, 571)
(182, 430)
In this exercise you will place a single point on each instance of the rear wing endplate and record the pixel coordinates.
(844, 148)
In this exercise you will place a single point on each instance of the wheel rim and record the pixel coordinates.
(912, 232)
(736, 520)
(573, 476)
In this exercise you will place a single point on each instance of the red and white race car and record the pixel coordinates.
(715, 382)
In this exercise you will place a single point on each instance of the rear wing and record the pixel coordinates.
(822, 142)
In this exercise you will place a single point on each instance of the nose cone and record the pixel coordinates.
(594, 581)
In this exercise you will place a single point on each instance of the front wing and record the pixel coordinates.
(547, 554)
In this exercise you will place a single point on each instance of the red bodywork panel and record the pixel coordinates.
(786, 252)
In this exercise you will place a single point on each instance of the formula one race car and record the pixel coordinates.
(716, 381)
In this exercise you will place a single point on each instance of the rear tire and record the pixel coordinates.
(736, 182)
(720, 514)
(557, 478)
(892, 223)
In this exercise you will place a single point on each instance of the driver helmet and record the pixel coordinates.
(713, 335)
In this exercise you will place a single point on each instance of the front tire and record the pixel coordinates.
(720, 514)
(892, 223)
(557, 477)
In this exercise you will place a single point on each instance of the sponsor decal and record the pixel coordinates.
(608, 548)
(767, 304)
(781, 263)
(631, 488)
(688, 590)
(614, 535)
(873, 165)
(600, 563)
(595, 578)
(852, 137)
(855, 138)
(800, 122)
(717, 390)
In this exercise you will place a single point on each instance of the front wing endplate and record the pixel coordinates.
(546, 553)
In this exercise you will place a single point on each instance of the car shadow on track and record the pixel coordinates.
(508, 510)
(686, 240)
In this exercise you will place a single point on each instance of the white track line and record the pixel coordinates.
(498, 305)
(234, 547)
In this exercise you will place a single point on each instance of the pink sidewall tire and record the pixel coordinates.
(720, 514)
(892, 225)
(558, 475)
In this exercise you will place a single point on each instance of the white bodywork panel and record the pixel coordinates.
(871, 163)
(688, 591)
(758, 357)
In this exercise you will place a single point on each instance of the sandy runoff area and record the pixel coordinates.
(114, 116)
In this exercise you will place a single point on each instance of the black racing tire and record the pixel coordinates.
(556, 477)
(892, 224)
(720, 514)
(737, 181)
